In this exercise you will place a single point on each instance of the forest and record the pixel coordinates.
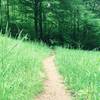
(68, 23)
(49, 49)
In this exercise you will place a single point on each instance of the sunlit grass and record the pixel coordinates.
(21, 72)
(81, 72)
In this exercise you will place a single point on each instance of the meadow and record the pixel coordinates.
(81, 72)
(21, 69)
(22, 75)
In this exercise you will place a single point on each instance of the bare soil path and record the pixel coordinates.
(54, 88)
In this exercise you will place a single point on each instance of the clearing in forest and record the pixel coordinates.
(54, 88)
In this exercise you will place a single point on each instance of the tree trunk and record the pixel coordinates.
(0, 15)
(36, 2)
(40, 20)
(8, 16)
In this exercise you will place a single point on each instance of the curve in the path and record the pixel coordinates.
(54, 89)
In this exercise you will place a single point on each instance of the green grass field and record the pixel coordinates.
(81, 72)
(22, 75)
(21, 72)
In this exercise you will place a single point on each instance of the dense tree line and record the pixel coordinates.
(70, 23)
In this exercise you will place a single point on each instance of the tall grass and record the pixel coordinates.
(21, 73)
(81, 72)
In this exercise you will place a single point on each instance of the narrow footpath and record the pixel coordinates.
(54, 87)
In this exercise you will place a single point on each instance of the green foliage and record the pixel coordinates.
(21, 72)
(81, 71)
(67, 22)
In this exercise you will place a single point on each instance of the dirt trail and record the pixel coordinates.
(54, 88)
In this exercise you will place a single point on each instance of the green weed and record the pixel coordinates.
(81, 72)
(21, 72)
